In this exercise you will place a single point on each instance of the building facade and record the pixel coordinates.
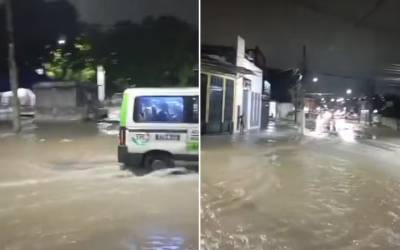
(218, 90)
(248, 98)
(231, 91)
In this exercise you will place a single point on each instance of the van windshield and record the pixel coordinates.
(166, 109)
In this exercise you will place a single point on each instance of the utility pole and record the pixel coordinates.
(12, 65)
(300, 91)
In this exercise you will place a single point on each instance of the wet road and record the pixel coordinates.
(275, 190)
(61, 188)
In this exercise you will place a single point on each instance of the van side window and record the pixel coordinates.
(166, 109)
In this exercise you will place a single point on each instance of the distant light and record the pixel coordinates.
(332, 99)
(340, 99)
(349, 91)
(315, 79)
(39, 71)
(62, 40)
(375, 111)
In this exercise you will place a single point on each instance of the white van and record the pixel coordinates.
(159, 126)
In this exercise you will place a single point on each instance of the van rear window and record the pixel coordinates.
(166, 109)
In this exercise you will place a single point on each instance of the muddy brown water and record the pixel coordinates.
(309, 193)
(61, 188)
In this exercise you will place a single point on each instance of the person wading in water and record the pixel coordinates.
(241, 124)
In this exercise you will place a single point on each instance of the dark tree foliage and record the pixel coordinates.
(156, 52)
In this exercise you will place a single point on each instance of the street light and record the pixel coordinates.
(315, 79)
(39, 71)
(62, 40)
(349, 91)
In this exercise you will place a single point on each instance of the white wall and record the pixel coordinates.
(283, 109)
(256, 86)
(237, 101)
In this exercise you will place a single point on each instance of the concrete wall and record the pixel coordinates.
(391, 123)
(64, 101)
(56, 97)
(283, 109)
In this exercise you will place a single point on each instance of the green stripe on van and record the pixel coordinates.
(192, 146)
(124, 111)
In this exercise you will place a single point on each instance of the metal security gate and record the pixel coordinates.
(227, 125)
(215, 105)
(245, 107)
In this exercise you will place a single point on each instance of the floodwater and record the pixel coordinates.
(275, 190)
(61, 188)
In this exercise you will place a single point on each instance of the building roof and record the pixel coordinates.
(216, 64)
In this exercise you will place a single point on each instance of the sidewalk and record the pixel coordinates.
(380, 134)
(282, 131)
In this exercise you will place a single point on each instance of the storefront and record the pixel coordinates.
(231, 90)
(217, 102)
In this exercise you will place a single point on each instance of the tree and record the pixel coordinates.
(75, 64)
(156, 52)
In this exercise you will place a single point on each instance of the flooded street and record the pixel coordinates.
(275, 190)
(62, 188)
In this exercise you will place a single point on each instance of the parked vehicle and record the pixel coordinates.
(352, 116)
(116, 99)
(158, 126)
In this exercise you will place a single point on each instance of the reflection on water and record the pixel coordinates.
(158, 242)
(308, 194)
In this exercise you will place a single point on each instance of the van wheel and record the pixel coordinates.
(157, 161)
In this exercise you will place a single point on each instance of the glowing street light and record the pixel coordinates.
(315, 79)
(62, 40)
(349, 91)
(39, 71)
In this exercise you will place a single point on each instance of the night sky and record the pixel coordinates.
(349, 39)
(108, 12)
